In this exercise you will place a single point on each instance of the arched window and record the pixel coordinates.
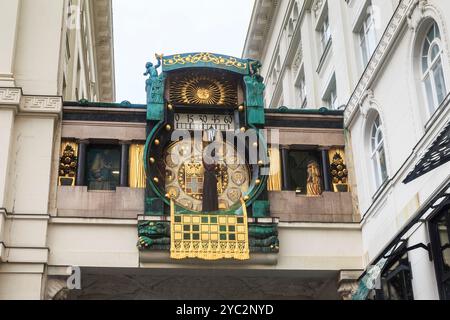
(378, 153)
(432, 69)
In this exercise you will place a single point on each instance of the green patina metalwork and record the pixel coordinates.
(263, 238)
(255, 189)
(261, 209)
(254, 88)
(153, 234)
(154, 199)
(154, 86)
(206, 60)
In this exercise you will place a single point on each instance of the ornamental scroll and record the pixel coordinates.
(209, 236)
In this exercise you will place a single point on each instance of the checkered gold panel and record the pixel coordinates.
(209, 237)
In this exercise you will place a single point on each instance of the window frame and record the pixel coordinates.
(325, 33)
(428, 74)
(366, 29)
(376, 145)
(301, 90)
(330, 96)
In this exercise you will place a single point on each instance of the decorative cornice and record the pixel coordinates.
(13, 97)
(258, 30)
(393, 29)
(104, 49)
(10, 96)
(317, 6)
(414, 15)
(41, 104)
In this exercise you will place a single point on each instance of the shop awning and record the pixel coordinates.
(437, 155)
(369, 278)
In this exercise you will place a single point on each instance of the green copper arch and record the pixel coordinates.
(206, 60)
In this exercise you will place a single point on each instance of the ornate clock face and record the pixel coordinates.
(185, 175)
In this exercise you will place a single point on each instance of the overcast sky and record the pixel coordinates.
(145, 27)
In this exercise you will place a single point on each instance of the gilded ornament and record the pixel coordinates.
(205, 57)
(339, 171)
(202, 89)
(238, 178)
(173, 192)
(68, 166)
(234, 194)
(170, 176)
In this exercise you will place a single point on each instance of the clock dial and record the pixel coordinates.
(184, 166)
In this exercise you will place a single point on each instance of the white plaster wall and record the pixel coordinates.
(6, 130)
(38, 46)
(16, 286)
(26, 232)
(93, 243)
(319, 246)
(344, 58)
(31, 158)
(399, 101)
(9, 11)
(424, 278)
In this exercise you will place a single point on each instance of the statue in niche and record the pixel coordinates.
(101, 172)
(152, 72)
(313, 185)
(210, 194)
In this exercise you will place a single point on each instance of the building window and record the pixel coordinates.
(440, 235)
(378, 153)
(68, 54)
(304, 172)
(301, 91)
(432, 69)
(330, 97)
(64, 88)
(367, 36)
(396, 280)
(325, 33)
(103, 167)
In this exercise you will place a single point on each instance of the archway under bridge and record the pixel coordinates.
(198, 284)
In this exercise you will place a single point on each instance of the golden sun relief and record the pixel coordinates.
(201, 89)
